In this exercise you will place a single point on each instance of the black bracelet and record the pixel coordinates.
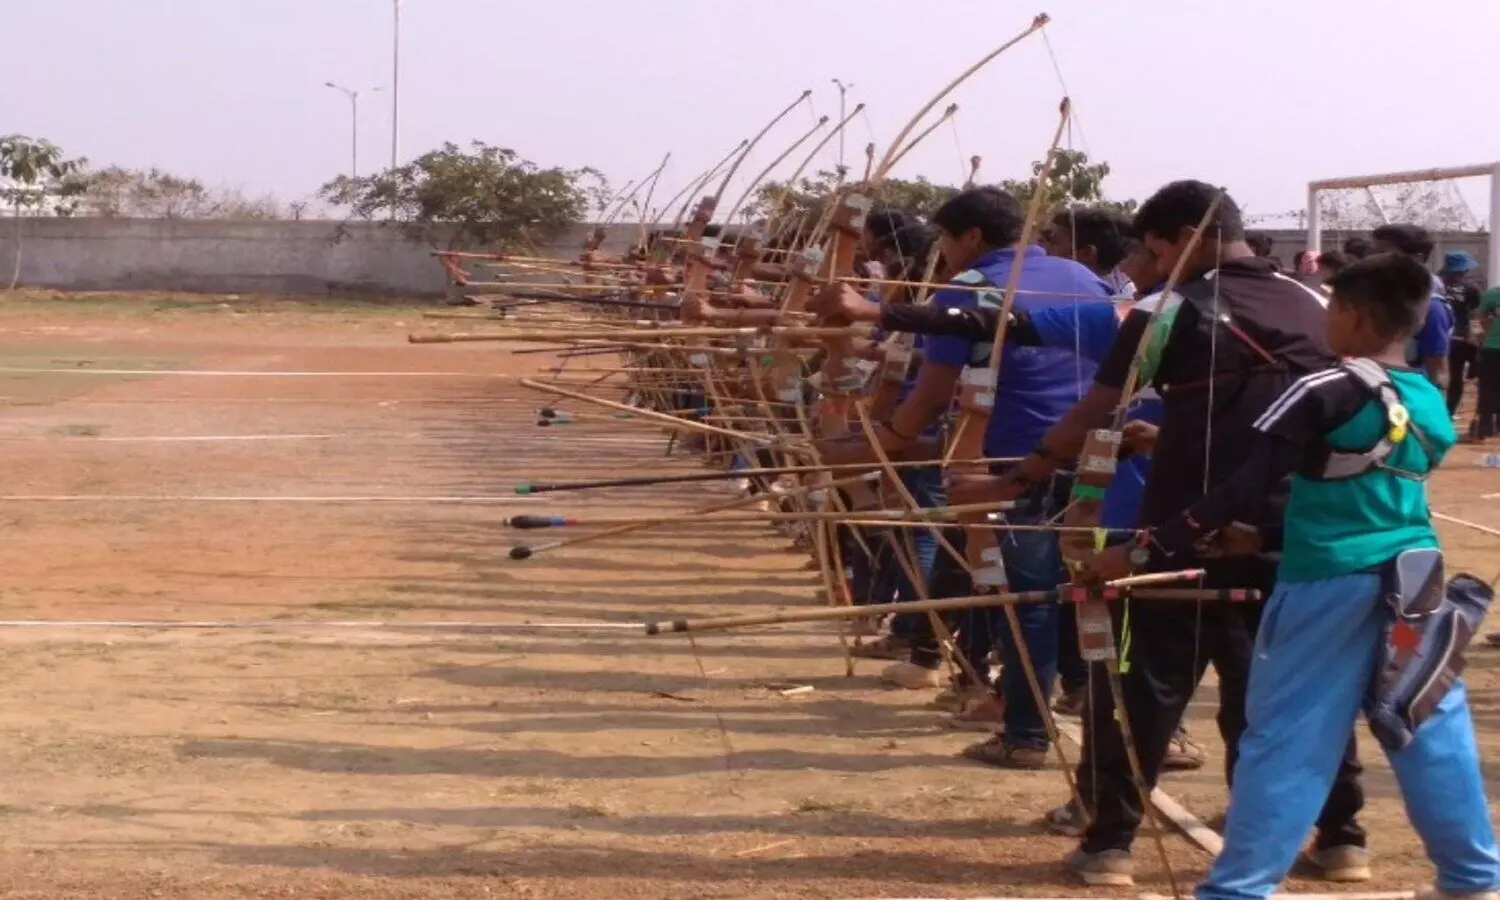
(888, 427)
(1041, 452)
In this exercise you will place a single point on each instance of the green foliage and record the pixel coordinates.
(153, 194)
(34, 175)
(1074, 180)
(804, 201)
(489, 196)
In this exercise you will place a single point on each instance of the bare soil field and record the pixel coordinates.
(298, 759)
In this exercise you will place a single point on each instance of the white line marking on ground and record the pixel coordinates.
(209, 437)
(22, 370)
(202, 498)
(284, 623)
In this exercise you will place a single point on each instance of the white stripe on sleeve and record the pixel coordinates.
(1296, 392)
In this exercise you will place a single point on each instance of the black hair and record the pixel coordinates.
(915, 243)
(1301, 257)
(1357, 248)
(912, 242)
(884, 221)
(995, 213)
(1110, 233)
(1413, 240)
(1182, 204)
(1333, 260)
(1390, 288)
(1260, 242)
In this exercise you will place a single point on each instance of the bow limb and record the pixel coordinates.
(773, 217)
(1036, 25)
(755, 182)
(729, 176)
(896, 157)
(646, 207)
(694, 186)
(974, 163)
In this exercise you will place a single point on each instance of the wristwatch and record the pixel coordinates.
(1139, 553)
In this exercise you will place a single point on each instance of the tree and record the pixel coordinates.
(153, 194)
(489, 196)
(1073, 180)
(805, 200)
(34, 175)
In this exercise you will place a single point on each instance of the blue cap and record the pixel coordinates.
(1459, 261)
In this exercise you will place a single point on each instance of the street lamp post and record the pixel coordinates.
(843, 92)
(396, 86)
(353, 96)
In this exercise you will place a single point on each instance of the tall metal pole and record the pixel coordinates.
(353, 96)
(354, 134)
(843, 91)
(395, 95)
(395, 89)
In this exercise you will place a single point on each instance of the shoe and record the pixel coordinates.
(1067, 820)
(868, 626)
(1345, 865)
(984, 712)
(1437, 893)
(1107, 868)
(888, 647)
(910, 676)
(1071, 703)
(994, 752)
(1182, 754)
(955, 698)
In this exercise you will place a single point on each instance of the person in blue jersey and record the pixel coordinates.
(1429, 346)
(1357, 443)
(978, 230)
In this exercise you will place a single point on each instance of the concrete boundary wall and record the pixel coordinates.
(314, 258)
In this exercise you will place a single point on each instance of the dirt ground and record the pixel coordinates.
(293, 759)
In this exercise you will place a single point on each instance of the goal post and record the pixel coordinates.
(1490, 171)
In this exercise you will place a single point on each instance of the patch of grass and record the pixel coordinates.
(364, 607)
(79, 430)
(588, 811)
(812, 805)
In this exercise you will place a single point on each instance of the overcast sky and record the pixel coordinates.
(1260, 96)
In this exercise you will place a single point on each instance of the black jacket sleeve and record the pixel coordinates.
(978, 325)
(1242, 497)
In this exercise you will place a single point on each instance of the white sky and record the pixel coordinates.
(1260, 96)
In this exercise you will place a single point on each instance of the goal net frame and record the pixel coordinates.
(1483, 170)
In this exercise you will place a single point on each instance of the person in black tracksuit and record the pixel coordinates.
(1232, 338)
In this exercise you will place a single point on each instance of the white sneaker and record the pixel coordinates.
(911, 676)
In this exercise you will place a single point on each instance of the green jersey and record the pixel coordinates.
(1489, 308)
(1337, 526)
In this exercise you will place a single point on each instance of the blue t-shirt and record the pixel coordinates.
(1436, 335)
(1089, 329)
(1037, 384)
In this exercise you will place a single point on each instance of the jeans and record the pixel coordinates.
(926, 487)
(879, 576)
(1033, 562)
(1313, 659)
